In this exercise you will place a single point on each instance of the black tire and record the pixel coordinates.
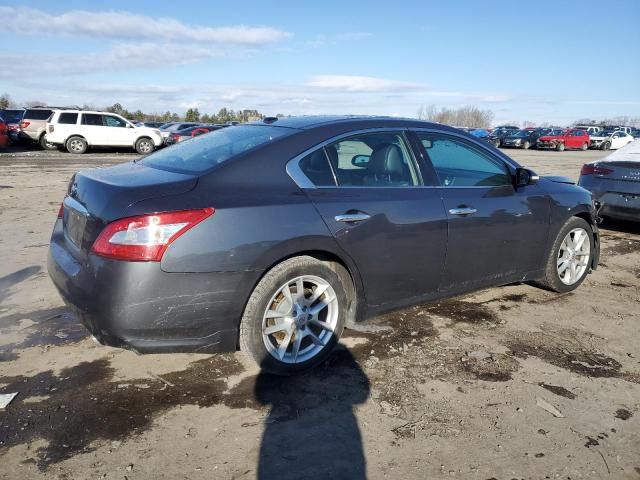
(560, 147)
(76, 145)
(46, 145)
(526, 146)
(606, 145)
(251, 338)
(145, 146)
(551, 280)
(584, 147)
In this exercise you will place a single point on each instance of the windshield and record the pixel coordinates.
(521, 134)
(11, 116)
(207, 151)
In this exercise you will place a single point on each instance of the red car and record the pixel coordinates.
(570, 138)
(4, 134)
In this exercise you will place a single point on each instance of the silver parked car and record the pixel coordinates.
(615, 183)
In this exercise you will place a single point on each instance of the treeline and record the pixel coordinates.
(619, 120)
(224, 115)
(468, 116)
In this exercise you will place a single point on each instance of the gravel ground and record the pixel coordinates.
(511, 382)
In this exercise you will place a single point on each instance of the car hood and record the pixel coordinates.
(546, 138)
(559, 179)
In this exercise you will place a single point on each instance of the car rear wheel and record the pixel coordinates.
(570, 258)
(76, 145)
(295, 315)
(145, 146)
(46, 145)
(606, 145)
(560, 147)
(526, 145)
(584, 147)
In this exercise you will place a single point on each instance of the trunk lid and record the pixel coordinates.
(622, 170)
(99, 196)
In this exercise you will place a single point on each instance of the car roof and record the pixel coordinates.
(360, 121)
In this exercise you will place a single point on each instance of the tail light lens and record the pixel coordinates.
(24, 124)
(145, 238)
(175, 137)
(61, 211)
(595, 170)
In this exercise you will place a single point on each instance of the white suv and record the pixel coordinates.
(79, 129)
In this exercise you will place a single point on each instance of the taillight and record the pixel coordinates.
(61, 211)
(595, 170)
(175, 137)
(145, 238)
(24, 124)
(50, 128)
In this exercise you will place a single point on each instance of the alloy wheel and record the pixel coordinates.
(300, 319)
(573, 256)
(145, 147)
(76, 145)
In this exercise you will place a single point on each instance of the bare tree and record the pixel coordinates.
(6, 102)
(469, 116)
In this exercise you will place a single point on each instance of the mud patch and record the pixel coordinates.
(623, 414)
(622, 247)
(557, 390)
(461, 311)
(54, 326)
(494, 367)
(568, 350)
(85, 405)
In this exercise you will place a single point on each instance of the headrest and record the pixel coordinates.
(386, 160)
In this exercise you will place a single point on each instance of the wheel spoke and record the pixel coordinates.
(572, 272)
(299, 290)
(320, 324)
(315, 339)
(317, 293)
(315, 310)
(562, 268)
(274, 314)
(278, 327)
(296, 347)
(282, 349)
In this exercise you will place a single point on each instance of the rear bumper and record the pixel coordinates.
(615, 204)
(137, 306)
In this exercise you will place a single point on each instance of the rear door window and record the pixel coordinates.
(316, 168)
(37, 114)
(68, 118)
(94, 119)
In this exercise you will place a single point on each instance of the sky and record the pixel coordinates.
(538, 61)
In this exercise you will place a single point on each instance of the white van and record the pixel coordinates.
(78, 130)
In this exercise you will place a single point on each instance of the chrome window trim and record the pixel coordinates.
(297, 175)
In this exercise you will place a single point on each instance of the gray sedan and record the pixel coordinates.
(615, 183)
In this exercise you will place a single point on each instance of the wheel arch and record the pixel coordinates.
(142, 137)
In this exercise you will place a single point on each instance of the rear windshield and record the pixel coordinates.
(206, 151)
(11, 116)
(38, 114)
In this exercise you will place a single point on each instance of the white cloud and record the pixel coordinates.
(354, 83)
(120, 57)
(119, 25)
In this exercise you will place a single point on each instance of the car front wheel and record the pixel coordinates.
(606, 146)
(145, 146)
(295, 315)
(584, 147)
(570, 257)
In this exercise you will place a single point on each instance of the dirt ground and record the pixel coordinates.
(511, 382)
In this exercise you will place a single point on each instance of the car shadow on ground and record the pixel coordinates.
(311, 430)
(620, 226)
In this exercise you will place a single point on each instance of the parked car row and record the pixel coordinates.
(557, 138)
(77, 130)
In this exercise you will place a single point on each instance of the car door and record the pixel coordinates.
(369, 192)
(118, 131)
(92, 129)
(497, 233)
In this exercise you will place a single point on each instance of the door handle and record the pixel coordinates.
(352, 217)
(462, 211)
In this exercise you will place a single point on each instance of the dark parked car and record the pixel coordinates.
(521, 139)
(191, 132)
(270, 237)
(4, 134)
(12, 117)
(615, 183)
(153, 124)
(496, 137)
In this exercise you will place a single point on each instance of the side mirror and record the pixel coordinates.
(525, 177)
(360, 160)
